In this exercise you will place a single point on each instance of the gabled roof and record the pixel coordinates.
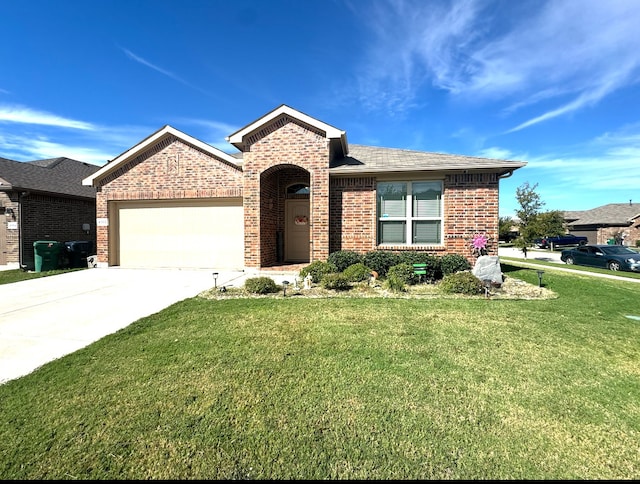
(54, 176)
(374, 160)
(613, 214)
(239, 138)
(150, 141)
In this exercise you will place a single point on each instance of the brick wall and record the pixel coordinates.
(54, 218)
(629, 235)
(169, 170)
(471, 207)
(353, 214)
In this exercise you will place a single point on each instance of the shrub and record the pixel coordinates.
(452, 263)
(432, 268)
(357, 272)
(260, 285)
(412, 257)
(461, 283)
(343, 259)
(318, 269)
(404, 272)
(395, 283)
(337, 282)
(380, 261)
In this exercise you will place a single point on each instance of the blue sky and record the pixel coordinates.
(553, 83)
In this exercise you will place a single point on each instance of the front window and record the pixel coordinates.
(410, 213)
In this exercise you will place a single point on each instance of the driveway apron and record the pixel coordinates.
(46, 318)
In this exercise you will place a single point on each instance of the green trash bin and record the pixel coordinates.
(611, 241)
(47, 253)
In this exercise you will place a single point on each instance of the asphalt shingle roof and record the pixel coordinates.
(615, 214)
(62, 176)
(371, 159)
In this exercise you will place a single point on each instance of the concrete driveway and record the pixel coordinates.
(46, 318)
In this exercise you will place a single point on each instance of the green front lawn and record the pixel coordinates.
(16, 275)
(345, 388)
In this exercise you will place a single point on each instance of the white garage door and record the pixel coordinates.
(188, 234)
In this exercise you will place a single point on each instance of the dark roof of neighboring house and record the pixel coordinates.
(372, 159)
(613, 214)
(56, 176)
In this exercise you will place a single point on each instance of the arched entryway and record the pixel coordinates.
(285, 216)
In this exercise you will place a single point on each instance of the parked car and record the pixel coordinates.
(613, 257)
(560, 240)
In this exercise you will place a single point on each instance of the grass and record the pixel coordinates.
(344, 388)
(17, 275)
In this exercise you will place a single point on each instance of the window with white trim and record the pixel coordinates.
(410, 213)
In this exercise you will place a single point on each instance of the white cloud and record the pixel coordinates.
(21, 114)
(496, 153)
(27, 148)
(162, 71)
(514, 52)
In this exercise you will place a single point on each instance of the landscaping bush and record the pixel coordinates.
(337, 282)
(395, 283)
(412, 257)
(452, 263)
(461, 283)
(380, 260)
(260, 285)
(432, 269)
(318, 269)
(343, 259)
(357, 272)
(404, 272)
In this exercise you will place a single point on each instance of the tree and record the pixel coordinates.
(530, 205)
(505, 228)
(547, 223)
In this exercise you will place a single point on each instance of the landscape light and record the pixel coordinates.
(540, 278)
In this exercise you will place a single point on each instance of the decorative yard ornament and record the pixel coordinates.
(479, 244)
(307, 281)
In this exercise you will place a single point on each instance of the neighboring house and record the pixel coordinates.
(615, 221)
(43, 200)
(296, 192)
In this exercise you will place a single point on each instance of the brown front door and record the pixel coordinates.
(296, 242)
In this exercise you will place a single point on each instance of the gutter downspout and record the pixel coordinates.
(502, 177)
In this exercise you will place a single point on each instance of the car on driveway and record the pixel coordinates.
(613, 257)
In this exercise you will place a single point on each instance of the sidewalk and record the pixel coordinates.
(535, 255)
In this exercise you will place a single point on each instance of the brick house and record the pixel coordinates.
(43, 200)
(295, 192)
(618, 221)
